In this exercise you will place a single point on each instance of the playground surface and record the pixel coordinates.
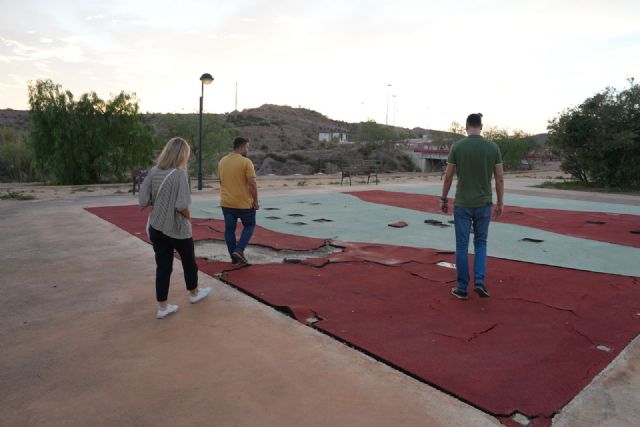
(363, 334)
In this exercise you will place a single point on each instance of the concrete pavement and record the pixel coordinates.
(81, 346)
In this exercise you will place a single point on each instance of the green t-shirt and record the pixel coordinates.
(475, 159)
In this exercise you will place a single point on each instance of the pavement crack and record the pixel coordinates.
(546, 305)
(581, 334)
(477, 334)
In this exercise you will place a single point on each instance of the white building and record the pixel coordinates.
(330, 136)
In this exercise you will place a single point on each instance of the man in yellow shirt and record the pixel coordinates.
(238, 198)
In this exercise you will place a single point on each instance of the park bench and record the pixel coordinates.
(137, 176)
(368, 168)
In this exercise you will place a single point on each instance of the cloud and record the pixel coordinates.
(24, 52)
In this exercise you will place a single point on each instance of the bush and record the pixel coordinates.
(16, 159)
(599, 140)
(89, 140)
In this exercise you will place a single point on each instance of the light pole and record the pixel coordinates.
(206, 79)
(386, 120)
(395, 109)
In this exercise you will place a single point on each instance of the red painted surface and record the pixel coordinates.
(529, 348)
(130, 218)
(616, 228)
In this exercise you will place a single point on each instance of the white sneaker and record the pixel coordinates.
(202, 294)
(164, 312)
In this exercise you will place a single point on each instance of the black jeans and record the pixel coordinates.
(164, 246)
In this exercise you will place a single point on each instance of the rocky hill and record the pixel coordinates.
(285, 140)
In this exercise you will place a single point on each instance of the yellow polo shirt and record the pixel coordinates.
(233, 170)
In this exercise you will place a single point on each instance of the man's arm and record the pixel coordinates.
(498, 173)
(446, 186)
(253, 190)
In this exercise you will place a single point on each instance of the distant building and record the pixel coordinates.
(341, 137)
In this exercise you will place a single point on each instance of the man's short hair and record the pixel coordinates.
(474, 120)
(239, 142)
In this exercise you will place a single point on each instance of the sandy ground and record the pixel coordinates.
(547, 172)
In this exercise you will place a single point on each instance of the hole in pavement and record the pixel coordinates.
(217, 251)
(323, 220)
(296, 214)
(515, 212)
(297, 223)
(445, 252)
(315, 203)
(271, 209)
(595, 222)
(436, 223)
(272, 217)
(603, 348)
(446, 264)
(521, 419)
(451, 222)
(529, 239)
(635, 232)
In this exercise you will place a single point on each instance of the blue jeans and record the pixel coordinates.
(248, 219)
(464, 218)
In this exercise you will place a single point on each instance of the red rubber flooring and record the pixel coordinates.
(530, 348)
(604, 227)
(130, 218)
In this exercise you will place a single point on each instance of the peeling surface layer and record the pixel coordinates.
(528, 350)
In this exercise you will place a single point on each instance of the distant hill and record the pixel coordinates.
(285, 140)
(273, 127)
(15, 119)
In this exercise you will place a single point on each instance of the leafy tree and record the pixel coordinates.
(217, 137)
(513, 146)
(16, 160)
(599, 140)
(457, 129)
(89, 140)
(372, 132)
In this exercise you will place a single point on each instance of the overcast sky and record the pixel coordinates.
(518, 62)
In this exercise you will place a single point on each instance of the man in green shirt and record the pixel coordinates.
(474, 160)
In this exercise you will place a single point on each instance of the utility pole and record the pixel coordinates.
(386, 120)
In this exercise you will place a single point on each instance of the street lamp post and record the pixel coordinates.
(386, 120)
(206, 79)
(395, 109)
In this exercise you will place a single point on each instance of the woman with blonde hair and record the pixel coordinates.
(166, 189)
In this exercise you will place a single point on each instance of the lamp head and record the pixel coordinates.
(206, 78)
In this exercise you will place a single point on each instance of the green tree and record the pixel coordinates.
(217, 137)
(457, 129)
(89, 140)
(599, 140)
(372, 132)
(16, 159)
(513, 146)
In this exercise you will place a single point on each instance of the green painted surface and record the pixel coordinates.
(358, 221)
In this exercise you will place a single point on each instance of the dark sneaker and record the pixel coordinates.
(481, 290)
(239, 257)
(458, 294)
